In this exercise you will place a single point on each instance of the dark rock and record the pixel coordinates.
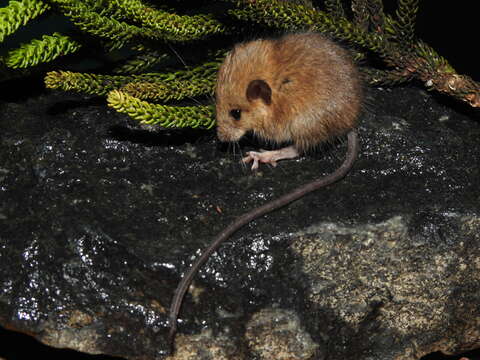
(99, 218)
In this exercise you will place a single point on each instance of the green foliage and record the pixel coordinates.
(141, 62)
(171, 85)
(93, 84)
(126, 91)
(153, 23)
(173, 90)
(405, 25)
(170, 26)
(18, 13)
(150, 33)
(105, 27)
(161, 115)
(41, 50)
(335, 8)
(118, 24)
(290, 16)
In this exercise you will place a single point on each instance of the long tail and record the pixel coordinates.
(352, 152)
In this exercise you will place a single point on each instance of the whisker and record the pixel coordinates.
(212, 99)
(240, 156)
(194, 100)
(234, 149)
(177, 55)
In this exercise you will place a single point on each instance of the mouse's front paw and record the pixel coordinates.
(262, 156)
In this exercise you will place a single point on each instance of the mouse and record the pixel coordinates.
(302, 89)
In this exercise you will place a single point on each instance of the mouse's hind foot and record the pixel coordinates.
(270, 157)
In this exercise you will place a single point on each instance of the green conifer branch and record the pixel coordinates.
(171, 27)
(141, 62)
(198, 80)
(361, 15)
(335, 8)
(105, 8)
(369, 16)
(206, 70)
(156, 24)
(379, 77)
(161, 115)
(18, 13)
(117, 32)
(46, 49)
(438, 74)
(173, 90)
(92, 84)
(294, 17)
(404, 26)
(377, 15)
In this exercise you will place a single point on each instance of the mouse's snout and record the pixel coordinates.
(228, 134)
(221, 134)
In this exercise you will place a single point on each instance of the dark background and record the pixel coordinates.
(452, 29)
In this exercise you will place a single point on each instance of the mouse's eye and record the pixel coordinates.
(236, 114)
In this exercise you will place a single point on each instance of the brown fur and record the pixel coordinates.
(315, 87)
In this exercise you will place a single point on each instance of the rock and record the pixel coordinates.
(394, 289)
(99, 218)
(204, 346)
(282, 331)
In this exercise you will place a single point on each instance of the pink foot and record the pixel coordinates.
(270, 157)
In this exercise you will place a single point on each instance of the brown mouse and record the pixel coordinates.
(300, 88)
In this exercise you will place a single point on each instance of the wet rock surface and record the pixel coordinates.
(99, 218)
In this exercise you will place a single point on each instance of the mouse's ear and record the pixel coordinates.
(259, 89)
